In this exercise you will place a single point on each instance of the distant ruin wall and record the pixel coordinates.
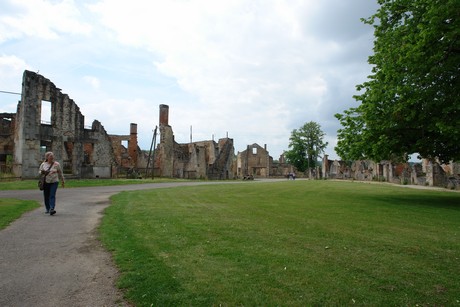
(425, 173)
(194, 160)
(255, 161)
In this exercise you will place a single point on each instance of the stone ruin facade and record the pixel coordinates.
(256, 162)
(85, 152)
(426, 173)
(90, 152)
(194, 160)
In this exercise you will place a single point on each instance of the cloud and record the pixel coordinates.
(94, 82)
(11, 65)
(253, 69)
(243, 60)
(39, 18)
(11, 70)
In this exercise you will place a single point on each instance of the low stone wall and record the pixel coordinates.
(426, 173)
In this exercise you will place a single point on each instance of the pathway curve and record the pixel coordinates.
(58, 260)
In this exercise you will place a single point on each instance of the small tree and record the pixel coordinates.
(306, 144)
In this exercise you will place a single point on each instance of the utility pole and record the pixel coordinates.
(151, 153)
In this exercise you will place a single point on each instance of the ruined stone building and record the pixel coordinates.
(90, 152)
(254, 161)
(194, 160)
(425, 173)
(282, 168)
(85, 152)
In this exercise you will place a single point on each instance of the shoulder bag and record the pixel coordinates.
(41, 181)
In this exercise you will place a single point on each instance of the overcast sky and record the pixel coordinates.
(250, 69)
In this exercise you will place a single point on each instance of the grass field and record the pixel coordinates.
(11, 209)
(292, 243)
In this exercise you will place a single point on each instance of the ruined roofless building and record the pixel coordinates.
(84, 152)
(91, 152)
(254, 161)
(194, 160)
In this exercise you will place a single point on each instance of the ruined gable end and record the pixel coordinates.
(49, 120)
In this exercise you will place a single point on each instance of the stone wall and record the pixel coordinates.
(33, 138)
(7, 127)
(83, 152)
(281, 168)
(254, 161)
(195, 160)
(426, 173)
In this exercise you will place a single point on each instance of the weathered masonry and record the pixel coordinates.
(426, 173)
(194, 160)
(90, 152)
(254, 161)
(84, 152)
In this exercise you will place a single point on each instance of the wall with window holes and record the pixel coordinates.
(84, 152)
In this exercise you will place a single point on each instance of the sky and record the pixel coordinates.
(252, 70)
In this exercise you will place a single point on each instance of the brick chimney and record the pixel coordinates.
(164, 115)
(132, 144)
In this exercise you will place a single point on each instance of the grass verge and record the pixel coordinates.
(292, 243)
(12, 209)
(77, 183)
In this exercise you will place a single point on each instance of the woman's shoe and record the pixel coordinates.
(52, 212)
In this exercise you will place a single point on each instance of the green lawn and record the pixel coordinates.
(76, 183)
(11, 209)
(292, 243)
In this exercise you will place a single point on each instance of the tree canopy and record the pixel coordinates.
(306, 144)
(410, 103)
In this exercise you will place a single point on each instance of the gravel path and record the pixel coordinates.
(58, 260)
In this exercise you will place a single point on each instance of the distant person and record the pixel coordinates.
(293, 176)
(53, 172)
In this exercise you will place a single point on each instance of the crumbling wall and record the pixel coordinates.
(281, 168)
(203, 159)
(425, 173)
(65, 135)
(334, 169)
(194, 159)
(7, 126)
(255, 161)
(223, 162)
(418, 177)
(102, 156)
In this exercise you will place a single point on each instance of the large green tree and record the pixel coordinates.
(410, 103)
(305, 146)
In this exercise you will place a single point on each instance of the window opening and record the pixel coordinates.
(45, 117)
(88, 149)
(68, 159)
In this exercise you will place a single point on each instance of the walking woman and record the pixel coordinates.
(53, 172)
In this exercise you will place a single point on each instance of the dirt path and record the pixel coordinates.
(58, 260)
